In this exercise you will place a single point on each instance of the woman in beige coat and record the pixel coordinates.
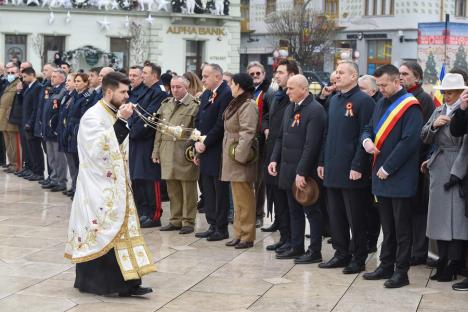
(239, 159)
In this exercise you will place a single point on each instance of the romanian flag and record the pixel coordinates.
(438, 96)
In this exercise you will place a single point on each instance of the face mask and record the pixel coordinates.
(11, 78)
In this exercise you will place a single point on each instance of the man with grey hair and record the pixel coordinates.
(368, 84)
(180, 173)
(209, 121)
(57, 161)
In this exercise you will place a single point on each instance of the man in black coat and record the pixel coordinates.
(411, 77)
(271, 127)
(345, 169)
(395, 173)
(145, 174)
(31, 95)
(137, 88)
(210, 122)
(295, 157)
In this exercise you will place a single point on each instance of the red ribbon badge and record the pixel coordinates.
(297, 119)
(349, 110)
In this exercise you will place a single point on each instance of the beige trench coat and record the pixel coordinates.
(6, 102)
(241, 127)
(171, 151)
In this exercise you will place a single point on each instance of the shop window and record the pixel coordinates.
(379, 7)
(460, 8)
(194, 56)
(120, 47)
(332, 8)
(379, 52)
(270, 7)
(52, 45)
(15, 47)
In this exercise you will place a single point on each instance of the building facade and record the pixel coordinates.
(372, 32)
(96, 37)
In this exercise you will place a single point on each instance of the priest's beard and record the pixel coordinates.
(116, 103)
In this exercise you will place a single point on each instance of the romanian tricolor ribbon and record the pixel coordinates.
(297, 119)
(390, 118)
(438, 96)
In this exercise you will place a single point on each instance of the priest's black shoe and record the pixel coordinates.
(354, 268)
(398, 279)
(309, 257)
(290, 254)
(335, 262)
(186, 230)
(379, 273)
(283, 248)
(462, 286)
(417, 261)
(272, 228)
(58, 188)
(137, 291)
(170, 227)
(207, 233)
(275, 246)
(217, 236)
(148, 223)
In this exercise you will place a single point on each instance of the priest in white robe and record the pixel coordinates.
(104, 237)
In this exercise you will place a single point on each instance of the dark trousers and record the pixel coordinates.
(73, 164)
(216, 197)
(25, 153)
(420, 243)
(260, 187)
(36, 154)
(281, 206)
(346, 211)
(451, 250)
(2, 150)
(314, 215)
(147, 197)
(395, 215)
(372, 218)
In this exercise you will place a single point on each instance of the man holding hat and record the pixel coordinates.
(296, 152)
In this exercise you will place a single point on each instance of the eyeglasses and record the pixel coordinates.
(255, 74)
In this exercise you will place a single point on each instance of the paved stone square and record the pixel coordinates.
(193, 274)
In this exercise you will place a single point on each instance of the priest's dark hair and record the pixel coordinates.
(389, 69)
(112, 81)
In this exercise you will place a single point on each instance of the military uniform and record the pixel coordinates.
(180, 174)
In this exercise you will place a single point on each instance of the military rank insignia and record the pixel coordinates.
(297, 119)
(349, 110)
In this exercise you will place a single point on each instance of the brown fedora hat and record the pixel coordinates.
(309, 195)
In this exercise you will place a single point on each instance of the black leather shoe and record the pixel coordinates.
(49, 186)
(462, 286)
(272, 228)
(244, 245)
(137, 291)
(290, 254)
(170, 227)
(35, 177)
(186, 230)
(45, 181)
(233, 242)
(334, 262)
(207, 233)
(378, 274)
(398, 279)
(309, 257)
(217, 236)
(58, 188)
(148, 223)
(417, 261)
(283, 248)
(354, 268)
(275, 246)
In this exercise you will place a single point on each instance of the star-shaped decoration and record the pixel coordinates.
(163, 5)
(150, 19)
(126, 4)
(105, 24)
(114, 5)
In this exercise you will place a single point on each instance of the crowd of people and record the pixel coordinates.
(372, 151)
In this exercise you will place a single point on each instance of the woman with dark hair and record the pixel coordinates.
(76, 110)
(240, 159)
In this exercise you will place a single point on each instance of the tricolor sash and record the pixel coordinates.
(390, 118)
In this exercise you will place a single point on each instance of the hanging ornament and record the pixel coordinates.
(51, 18)
(36, 2)
(163, 5)
(68, 18)
(105, 24)
(150, 19)
(127, 22)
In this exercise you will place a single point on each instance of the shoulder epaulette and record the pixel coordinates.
(166, 100)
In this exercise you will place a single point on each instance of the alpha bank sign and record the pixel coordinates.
(196, 30)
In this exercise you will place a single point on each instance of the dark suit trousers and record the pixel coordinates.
(25, 153)
(395, 215)
(346, 211)
(280, 203)
(216, 198)
(372, 218)
(314, 215)
(36, 154)
(260, 186)
(420, 243)
(147, 197)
